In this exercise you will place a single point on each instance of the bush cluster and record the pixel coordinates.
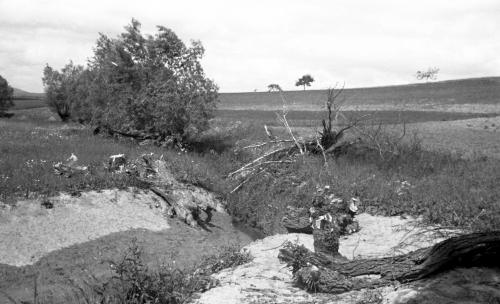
(150, 84)
(134, 283)
(6, 95)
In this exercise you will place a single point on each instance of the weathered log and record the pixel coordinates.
(328, 275)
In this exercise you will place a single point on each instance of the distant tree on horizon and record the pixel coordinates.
(304, 81)
(431, 73)
(6, 95)
(273, 87)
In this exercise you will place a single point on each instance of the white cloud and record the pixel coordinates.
(253, 43)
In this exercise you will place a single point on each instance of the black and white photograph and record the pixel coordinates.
(253, 152)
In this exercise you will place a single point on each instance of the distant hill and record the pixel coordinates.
(482, 91)
(21, 94)
(27, 100)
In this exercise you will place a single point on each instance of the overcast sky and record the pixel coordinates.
(250, 44)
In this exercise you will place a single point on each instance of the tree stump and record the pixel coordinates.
(326, 241)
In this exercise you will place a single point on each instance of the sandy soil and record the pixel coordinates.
(69, 247)
(30, 231)
(265, 280)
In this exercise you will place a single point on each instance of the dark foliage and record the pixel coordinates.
(6, 95)
(137, 83)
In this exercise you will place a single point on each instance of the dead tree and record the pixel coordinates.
(320, 273)
(282, 151)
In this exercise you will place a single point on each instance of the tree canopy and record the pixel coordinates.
(6, 95)
(136, 82)
(304, 81)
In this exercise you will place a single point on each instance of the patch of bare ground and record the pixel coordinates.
(63, 275)
(34, 228)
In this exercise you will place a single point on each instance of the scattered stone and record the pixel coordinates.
(47, 204)
(117, 163)
(70, 168)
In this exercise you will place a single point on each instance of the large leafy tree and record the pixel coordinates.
(6, 95)
(304, 81)
(148, 83)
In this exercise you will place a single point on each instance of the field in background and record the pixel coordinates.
(313, 118)
(22, 104)
(454, 96)
(26, 100)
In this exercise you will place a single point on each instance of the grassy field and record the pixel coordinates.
(440, 187)
(445, 189)
(23, 104)
(433, 96)
(26, 100)
(313, 118)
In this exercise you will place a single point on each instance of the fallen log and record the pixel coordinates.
(323, 274)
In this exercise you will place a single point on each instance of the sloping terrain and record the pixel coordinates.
(453, 95)
(67, 244)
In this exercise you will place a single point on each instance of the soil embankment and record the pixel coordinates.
(67, 244)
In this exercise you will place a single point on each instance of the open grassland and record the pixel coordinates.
(22, 104)
(29, 150)
(445, 189)
(450, 96)
(313, 118)
(26, 100)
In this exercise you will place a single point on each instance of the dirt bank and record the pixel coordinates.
(63, 273)
(66, 243)
(34, 228)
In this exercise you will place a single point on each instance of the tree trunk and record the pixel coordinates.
(472, 250)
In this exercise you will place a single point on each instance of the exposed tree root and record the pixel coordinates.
(326, 274)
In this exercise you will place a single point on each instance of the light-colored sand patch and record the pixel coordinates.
(29, 231)
(265, 280)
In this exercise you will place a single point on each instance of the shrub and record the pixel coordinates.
(134, 283)
(6, 95)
